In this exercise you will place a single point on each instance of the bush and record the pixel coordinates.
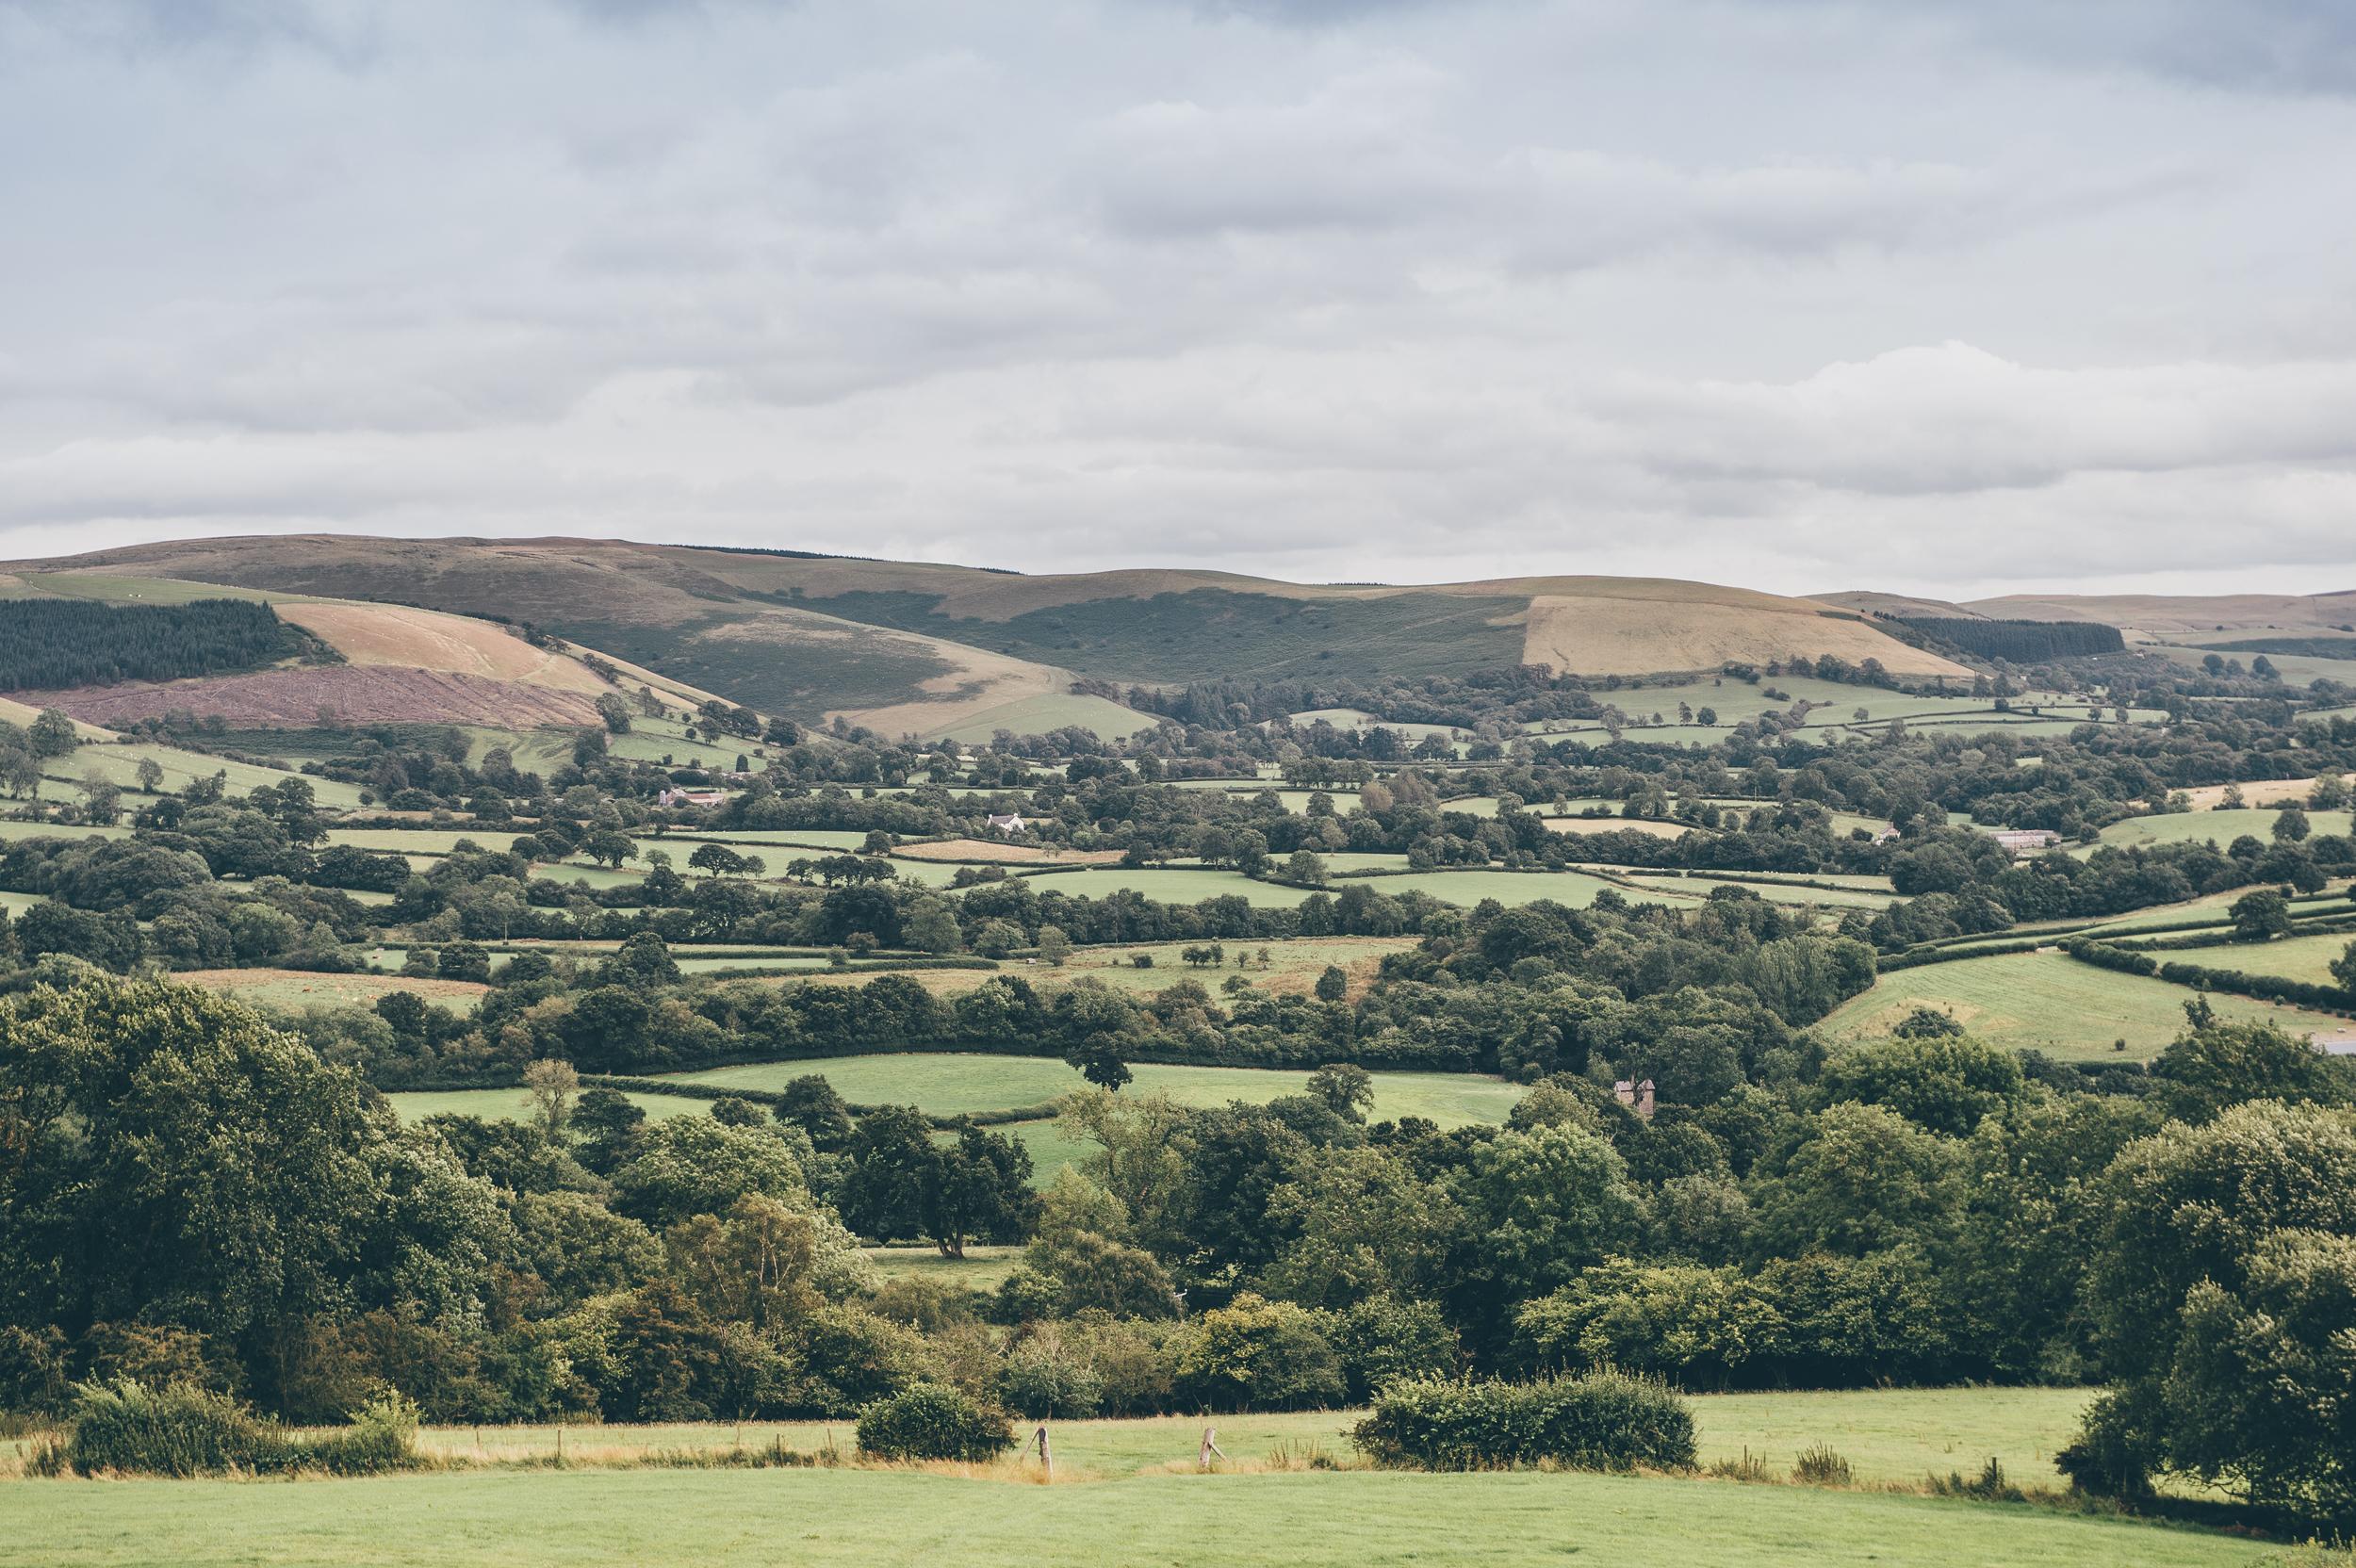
(1602, 1421)
(383, 1436)
(1256, 1355)
(932, 1421)
(1823, 1466)
(128, 1427)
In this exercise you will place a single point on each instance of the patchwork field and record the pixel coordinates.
(2051, 1003)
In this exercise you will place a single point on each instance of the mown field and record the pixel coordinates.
(2051, 1003)
(720, 1518)
(2307, 958)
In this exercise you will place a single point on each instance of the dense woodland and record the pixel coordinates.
(196, 1192)
(60, 642)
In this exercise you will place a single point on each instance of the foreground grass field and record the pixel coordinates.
(2051, 1003)
(721, 1518)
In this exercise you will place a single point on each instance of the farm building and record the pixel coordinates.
(1010, 823)
(692, 797)
(2025, 841)
(1635, 1096)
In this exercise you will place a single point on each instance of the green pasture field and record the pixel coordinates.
(2177, 827)
(423, 841)
(1052, 1145)
(510, 1105)
(119, 763)
(2307, 958)
(11, 829)
(2297, 669)
(16, 904)
(828, 839)
(821, 1516)
(1166, 884)
(2051, 1003)
(924, 874)
(982, 1268)
(707, 966)
(1773, 892)
(1512, 887)
(1289, 961)
(942, 1083)
(1100, 716)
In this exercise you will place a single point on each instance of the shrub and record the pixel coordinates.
(1750, 1467)
(1988, 1486)
(130, 1429)
(126, 1426)
(1822, 1466)
(932, 1421)
(383, 1436)
(1601, 1421)
(1257, 1354)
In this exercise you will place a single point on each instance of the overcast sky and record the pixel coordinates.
(1957, 296)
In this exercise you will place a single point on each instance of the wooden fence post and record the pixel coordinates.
(1210, 1447)
(1046, 1459)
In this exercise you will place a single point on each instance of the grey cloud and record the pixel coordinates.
(1757, 291)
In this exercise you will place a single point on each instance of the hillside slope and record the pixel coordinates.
(929, 648)
(399, 665)
(2166, 618)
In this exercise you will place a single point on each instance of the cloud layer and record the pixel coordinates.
(1948, 297)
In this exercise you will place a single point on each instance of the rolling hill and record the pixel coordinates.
(932, 649)
(391, 663)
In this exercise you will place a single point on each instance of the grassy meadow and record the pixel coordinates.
(2307, 958)
(1286, 1519)
(2051, 1003)
(954, 1084)
(2223, 827)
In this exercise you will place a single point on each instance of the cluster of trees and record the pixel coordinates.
(189, 1195)
(2021, 642)
(56, 642)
